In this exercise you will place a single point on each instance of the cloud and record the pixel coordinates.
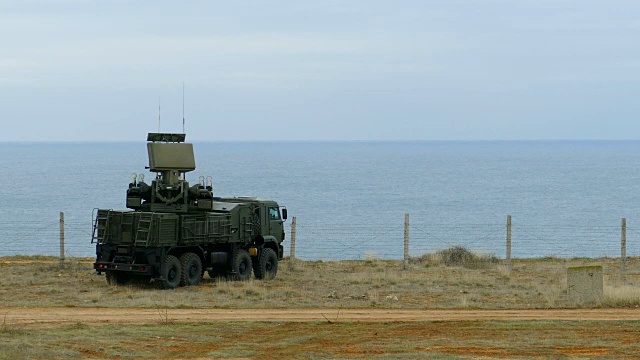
(476, 64)
(251, 61)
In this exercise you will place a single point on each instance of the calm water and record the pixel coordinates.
(566, 198)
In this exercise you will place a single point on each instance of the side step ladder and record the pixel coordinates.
(101, 227)
(144, 229)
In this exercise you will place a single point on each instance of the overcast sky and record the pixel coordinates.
(320, 70)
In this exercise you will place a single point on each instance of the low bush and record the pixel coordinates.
(458, 256)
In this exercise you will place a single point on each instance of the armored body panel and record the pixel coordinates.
(148, 229)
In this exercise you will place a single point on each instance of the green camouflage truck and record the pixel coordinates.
(175, 232)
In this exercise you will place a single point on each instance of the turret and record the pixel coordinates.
(170, 158)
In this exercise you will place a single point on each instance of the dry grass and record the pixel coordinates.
(428, 283)
(622, 296)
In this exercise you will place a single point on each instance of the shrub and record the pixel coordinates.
(458, 256)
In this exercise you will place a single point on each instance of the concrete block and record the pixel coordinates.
(585, 285)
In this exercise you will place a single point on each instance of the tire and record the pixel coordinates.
(115, 278)
(171, 273)
(191, 269)
(265, 266)
(242, 265)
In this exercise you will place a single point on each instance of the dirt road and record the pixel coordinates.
(51, 316)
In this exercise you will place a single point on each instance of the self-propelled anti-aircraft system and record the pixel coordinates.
(174, 232)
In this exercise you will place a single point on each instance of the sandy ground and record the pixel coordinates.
(55, 316)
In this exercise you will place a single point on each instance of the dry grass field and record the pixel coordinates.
(429, 283)
(322, 340)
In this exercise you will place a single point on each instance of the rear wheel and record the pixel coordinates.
(171, 273)
(242, 265)
(265, 266)
(191, 269)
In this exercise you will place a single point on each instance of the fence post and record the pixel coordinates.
(509, 243)
(406, 241)
(623, 244)
(61, 239)
(292, 254)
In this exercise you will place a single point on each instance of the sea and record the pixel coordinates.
(351, 199)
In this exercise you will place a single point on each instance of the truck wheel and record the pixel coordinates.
(171, 273)
(266, 265)
(191, 269)
(242, 265)
(114, 278)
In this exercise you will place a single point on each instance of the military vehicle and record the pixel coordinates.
(175, 232)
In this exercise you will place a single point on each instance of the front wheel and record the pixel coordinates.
(242, 265)
(266, 265)
(171, 273)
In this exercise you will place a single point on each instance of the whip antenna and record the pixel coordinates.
(183, 107)
(158, 114)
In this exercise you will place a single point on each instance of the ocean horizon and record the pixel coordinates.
(350, 196)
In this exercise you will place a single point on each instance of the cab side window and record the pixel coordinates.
(274, 214)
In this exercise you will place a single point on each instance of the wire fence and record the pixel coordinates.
(323, 241)
(43, 238)
(369, 239)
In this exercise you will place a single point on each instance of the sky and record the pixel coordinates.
(76, 70)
